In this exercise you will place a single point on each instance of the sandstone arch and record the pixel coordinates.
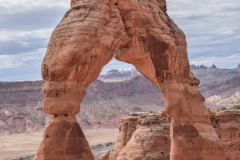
(134, 31)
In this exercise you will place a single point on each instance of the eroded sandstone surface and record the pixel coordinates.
(146, 135)
(139, 32)
(142, 136)
(227, 125)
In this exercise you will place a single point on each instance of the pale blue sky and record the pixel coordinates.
(212, 30)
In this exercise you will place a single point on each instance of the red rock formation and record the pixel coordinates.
(151, 140)
(227, 126)
(127, 127)
(142, 136)
(64, 138)
(137, 32)
(148, 127)
(158, 50)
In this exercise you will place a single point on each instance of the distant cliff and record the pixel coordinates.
(104, 103)
(203, 73)
(116, 75)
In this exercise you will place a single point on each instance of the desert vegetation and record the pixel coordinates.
(236, 106)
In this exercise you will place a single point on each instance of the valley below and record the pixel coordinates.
(26, 144)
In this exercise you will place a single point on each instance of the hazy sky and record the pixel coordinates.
(212, 30)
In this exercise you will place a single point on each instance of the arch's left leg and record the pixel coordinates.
(83, 42)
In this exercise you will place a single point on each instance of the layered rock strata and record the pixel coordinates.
(64, 139)
(127, 128)
(146, 136)
(227, 125)
(139, 32)
(142, 136)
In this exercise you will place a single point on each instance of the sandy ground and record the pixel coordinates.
(17, 145)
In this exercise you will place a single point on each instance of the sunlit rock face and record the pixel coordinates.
(139, 32)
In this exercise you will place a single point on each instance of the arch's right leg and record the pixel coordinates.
(83, 42)
(158, 49)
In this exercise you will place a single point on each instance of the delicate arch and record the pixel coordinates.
(136, 32)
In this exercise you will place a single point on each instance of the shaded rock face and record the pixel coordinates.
(138, 32)
(150, 139)
(142, 136)
(227, 126)
(69, 137)
(127, 127)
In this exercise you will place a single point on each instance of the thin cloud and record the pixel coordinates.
(16, 61)
(21, 67)
(211, 28)
(12, 43)
(32, 19)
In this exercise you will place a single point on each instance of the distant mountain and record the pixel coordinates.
(114, 94)
(222, 93)
(105, 102)
(103, 105)
(20, 106)
(116, 75)
(203, 73)
(215, 74)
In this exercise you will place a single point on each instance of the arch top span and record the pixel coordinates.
(139, 32)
